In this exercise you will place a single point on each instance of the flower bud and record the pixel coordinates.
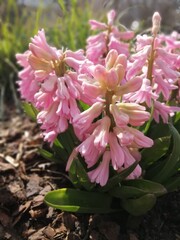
(156, 23)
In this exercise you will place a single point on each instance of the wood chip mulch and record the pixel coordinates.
(25, 178)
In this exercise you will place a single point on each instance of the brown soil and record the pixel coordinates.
(25, 177)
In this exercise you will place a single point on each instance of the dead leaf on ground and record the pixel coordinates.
(6, 167)
(33, 186)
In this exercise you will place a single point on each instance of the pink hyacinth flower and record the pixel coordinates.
(44, 98)
(131, 113)
(120, 118)
(137, 114)
(120, 47)
(132, 137)
(129, 161)
(107, 39)
(164, 86)
(101, 133)
(95, 142)
(71, 158)
(83, 121)
(144, 94)
(110, 17)
(163, 111)
(28, 86)
(101, 173)
(40, 48)
(96, 46)
(117, 153)
(88, 150)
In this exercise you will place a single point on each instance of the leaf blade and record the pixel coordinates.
(139, 206)
(171, 162)
(79, 201)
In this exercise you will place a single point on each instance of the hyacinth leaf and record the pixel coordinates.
(58, 155)
(159, 131)
(177, 121)
(147, 186)
(78, 175)
(66, 140)
(125, 192)
(154, 169)
(177, 117)
(73, 200)
(59, 152)
(83, 105)
(171, 162)
(139, 206)
(73, 175)
(158, 150)
(173, 184)
(83, 177)
(47, 155)
(30, 110)
(117, 179)
(137, 188)
(57, 144)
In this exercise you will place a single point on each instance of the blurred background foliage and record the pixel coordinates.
(66, 25)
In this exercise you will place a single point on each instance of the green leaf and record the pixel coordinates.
(60, 154)
(177, 117)
(73, 175)
(177, 122)
(159, 131)
(170, 163)
(173, 184)
(158, 150)
(147, 186)
(78, 175)
(125, 192)
(117, 179)
(83, 105)
(67, 140)
(73, 200)
(139, 206)
(46, 154)
(30, 110)
(137, 188)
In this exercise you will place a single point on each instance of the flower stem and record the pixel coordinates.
(151, 62)
(108, 97)
(150, 120)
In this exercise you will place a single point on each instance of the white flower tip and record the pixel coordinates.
(156, 23)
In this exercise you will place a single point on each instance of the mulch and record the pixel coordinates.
(25, 178)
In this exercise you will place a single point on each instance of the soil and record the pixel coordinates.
(25, 178)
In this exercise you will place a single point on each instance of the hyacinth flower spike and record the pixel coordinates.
(100, 137)
(54, 87)
(109, 37)
(159, 72)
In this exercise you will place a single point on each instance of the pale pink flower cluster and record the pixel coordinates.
(119, 88)
(157, 62)
(113, 137)
(109, 37)
(48, 82)
(171, 44)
